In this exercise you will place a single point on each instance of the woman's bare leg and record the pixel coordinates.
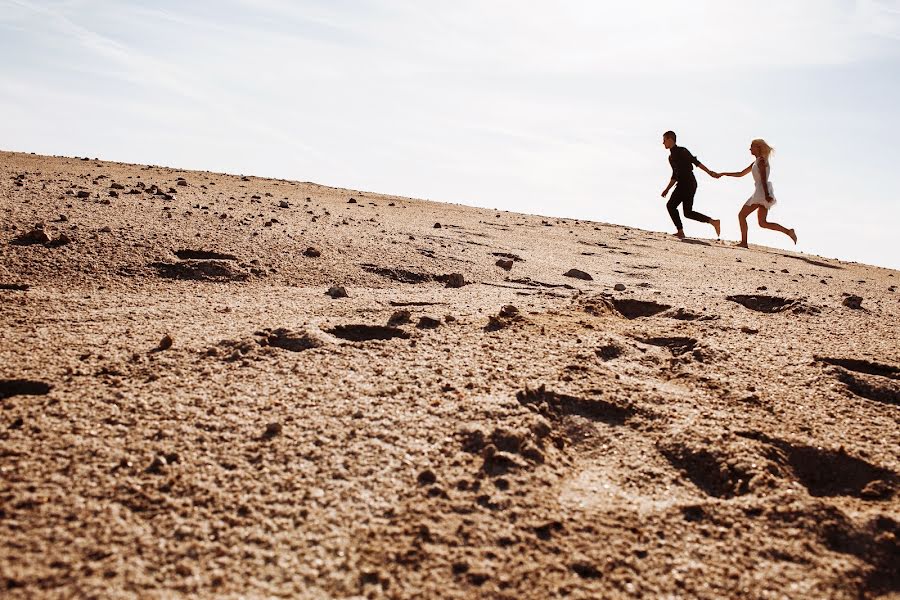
(761, 216)
(742, 221)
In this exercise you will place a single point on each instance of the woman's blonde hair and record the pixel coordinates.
(764, 146)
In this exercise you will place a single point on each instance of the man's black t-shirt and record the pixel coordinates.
(682, 162)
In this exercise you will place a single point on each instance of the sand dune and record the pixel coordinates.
(226, 386)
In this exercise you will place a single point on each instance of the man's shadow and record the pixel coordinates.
(697, 242)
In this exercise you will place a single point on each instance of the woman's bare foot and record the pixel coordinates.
(717, 225)
(793, 235)
(679, 234)
(742, 245)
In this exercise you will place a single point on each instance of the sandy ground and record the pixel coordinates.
(187, 413)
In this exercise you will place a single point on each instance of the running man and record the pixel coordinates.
(682, 162)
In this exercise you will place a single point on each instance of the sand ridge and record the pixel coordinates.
(690, 420)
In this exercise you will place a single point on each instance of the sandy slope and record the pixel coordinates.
(663, 441)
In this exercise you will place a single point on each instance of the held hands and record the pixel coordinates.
(664, 192)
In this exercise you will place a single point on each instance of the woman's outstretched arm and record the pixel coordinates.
(739, 173)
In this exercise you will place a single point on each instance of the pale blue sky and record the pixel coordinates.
(553, 108)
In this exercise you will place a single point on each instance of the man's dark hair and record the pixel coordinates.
(671, 135)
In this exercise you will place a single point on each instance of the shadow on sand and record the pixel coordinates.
(697, 242)
(815, 263)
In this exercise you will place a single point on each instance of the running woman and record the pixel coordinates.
(763, 198)
(682, 162)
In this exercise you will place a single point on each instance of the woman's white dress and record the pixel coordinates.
(759, 194)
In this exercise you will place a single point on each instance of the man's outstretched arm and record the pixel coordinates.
(708, 172)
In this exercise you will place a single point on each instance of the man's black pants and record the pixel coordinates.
(684, 194)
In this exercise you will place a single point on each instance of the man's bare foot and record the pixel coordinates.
(679, 234)
(742, 245)
(793, 235)
(717, 225)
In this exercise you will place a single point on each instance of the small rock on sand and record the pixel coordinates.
(509, 311)
(272, 430)
(455, 280)
(505, 264)
(337, 291)
(427, 322)
(35, 236)
(619, 287)
(284, 204)
(578, 274)
(165, 343)
(854, 302)
(400, 317)
(312, 252)
(61, 240)
(426, 477)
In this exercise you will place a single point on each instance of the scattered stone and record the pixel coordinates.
(117, 186)
(351, 201)
(509, 255)
(619, 287)
(61, 240)
(106, 229)
(426, 322)
(272, 430)
(508, 315)
(113, 194)
(505, 264)
(509, 312)
(181, 182)
(578, 274)
(35, 236)
(82, 194)
(337, 291)
(284, 204)
(165, 343)
(426, 477)
(455, 280)
(400, 317)
(157, 466)
(854, 302)
(312, 252)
